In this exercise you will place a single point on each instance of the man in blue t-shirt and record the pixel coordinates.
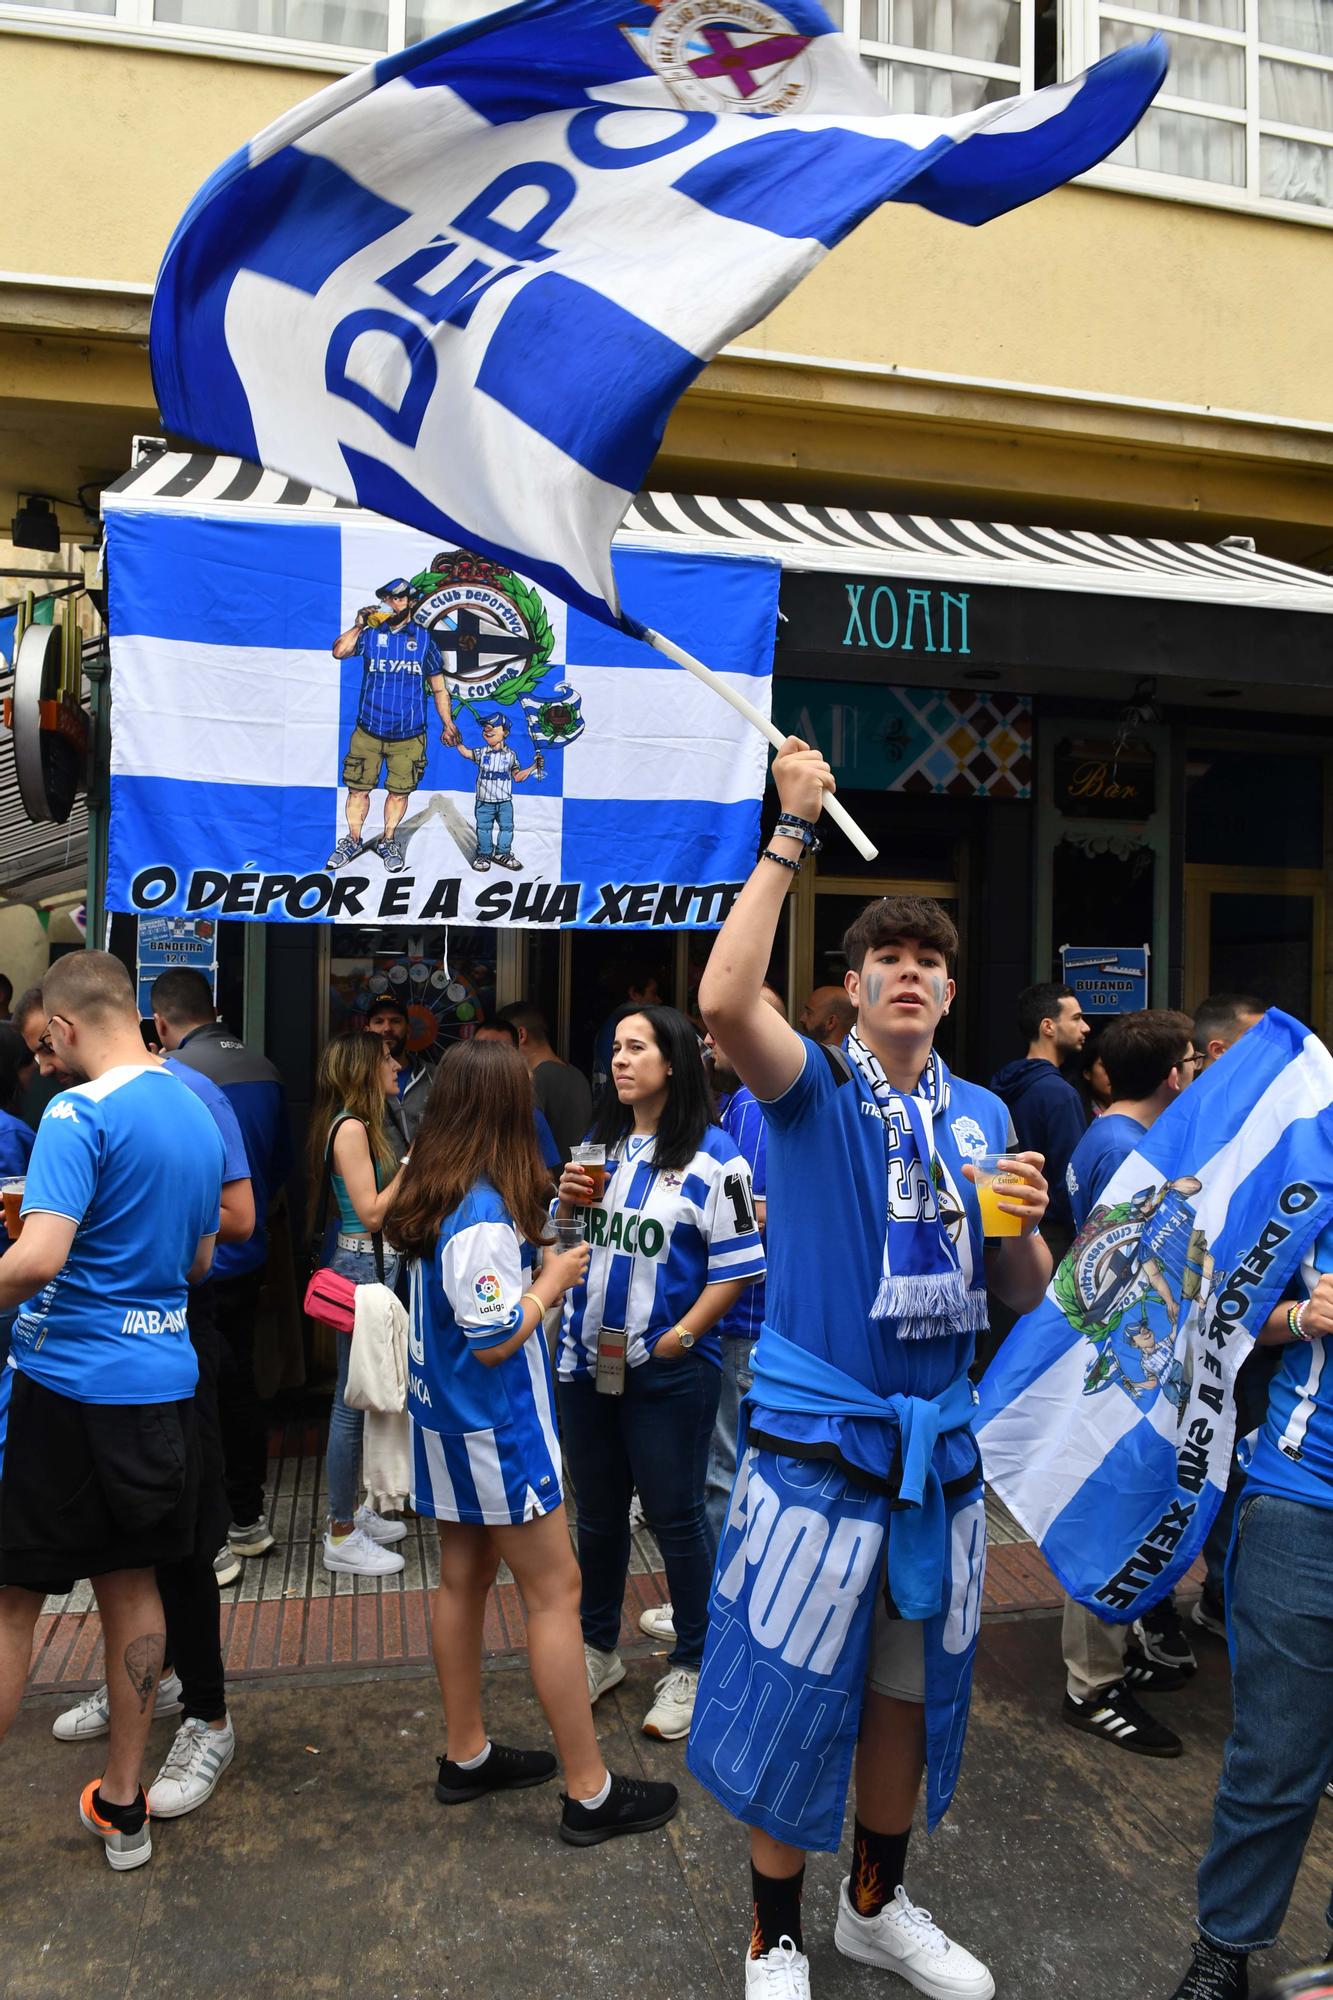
(859, 1423)
(399, 661)
(189, 1030)
(120, 1213)
(1280, 1614)
(1149, 1057)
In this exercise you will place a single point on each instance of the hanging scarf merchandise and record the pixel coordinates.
(926, 1280)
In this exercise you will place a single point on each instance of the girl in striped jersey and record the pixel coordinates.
(485, 1458)
(674, 1243)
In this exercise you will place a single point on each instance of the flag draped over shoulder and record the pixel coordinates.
(1107, 1421)
(466, 285)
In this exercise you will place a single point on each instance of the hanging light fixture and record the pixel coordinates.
(35, 525)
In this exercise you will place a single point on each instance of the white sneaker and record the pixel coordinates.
(359, 1556)
(659, 1624)
(92, 1717)
(605, 1670)
(908, 1942)
(781, 1974)
(195, 1762)
(377, 1527)
(672, 1711)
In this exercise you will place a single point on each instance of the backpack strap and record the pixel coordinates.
(838, 1061)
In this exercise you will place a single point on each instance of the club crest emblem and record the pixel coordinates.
(490, 628)
(726, 55)
(1137, 1272)
(969, 1138)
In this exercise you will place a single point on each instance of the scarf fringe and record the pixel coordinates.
(931, 1305)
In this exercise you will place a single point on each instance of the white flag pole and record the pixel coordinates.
(837, 813)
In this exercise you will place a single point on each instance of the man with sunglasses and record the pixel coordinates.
(1150, 1058)
(399, 661)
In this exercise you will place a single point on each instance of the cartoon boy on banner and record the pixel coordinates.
(399, 662)
(498, 771)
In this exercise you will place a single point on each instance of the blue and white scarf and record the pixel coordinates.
(926, 1282)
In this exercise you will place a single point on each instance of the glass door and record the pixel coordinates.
(1257, 930)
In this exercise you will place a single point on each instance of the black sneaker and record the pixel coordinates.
(1210, 1615)
(631, 1806)
(505, 1770)
(1148, 1676)
(1162, 1637)
(1215, 1975)
(1117, 1716)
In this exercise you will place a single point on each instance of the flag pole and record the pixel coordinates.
(834, 811)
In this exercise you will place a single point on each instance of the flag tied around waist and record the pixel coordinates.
(466, 285)
(1107, 1421)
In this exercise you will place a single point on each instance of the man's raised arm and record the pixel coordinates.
(764, 1051)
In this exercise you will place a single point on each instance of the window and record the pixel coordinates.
(1248, 103)
(349, 26)
(944, 57)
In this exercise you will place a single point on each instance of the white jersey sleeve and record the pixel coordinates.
(481, 1270)
(735, 1247)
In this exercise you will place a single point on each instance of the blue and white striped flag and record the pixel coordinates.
(466, 285)
(1107, 1421)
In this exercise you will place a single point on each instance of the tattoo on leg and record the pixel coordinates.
(143, 1664)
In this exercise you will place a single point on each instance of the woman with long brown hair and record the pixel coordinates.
(469, 1210)
(351, 1142)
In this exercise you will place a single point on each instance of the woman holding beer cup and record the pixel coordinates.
(673, 1241)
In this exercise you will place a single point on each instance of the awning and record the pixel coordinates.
(839, 539)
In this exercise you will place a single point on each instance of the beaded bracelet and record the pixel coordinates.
(793, 867)
(1295, 1316)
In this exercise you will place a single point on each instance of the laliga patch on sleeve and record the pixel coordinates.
(488, 1294)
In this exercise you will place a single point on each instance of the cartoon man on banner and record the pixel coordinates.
(498, 771)
(400, 661)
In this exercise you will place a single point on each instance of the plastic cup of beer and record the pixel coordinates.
(994, 1185)
(11, 1193)
(591, 1160)
(570, 1231)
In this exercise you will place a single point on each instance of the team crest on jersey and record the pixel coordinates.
(726, 55)
(969, 1138)
(488, 1293)
(1136, 1272)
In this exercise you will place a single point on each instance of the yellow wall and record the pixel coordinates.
(1087, 289)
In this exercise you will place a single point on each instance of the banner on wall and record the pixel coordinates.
(1108, 978)
(344, 722)
(168, 942)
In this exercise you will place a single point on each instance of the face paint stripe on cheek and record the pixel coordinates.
(874, 987)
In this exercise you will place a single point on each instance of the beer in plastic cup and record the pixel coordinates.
(992, 1185)
(11, 1192)
(591, 1160)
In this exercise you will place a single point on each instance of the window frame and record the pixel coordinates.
(1080, 47)
(848, 14)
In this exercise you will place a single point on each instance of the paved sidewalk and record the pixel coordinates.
(287, 1613)
(323, 1866)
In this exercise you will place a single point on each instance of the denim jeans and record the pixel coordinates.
(342, 1467)
(1280, 1753)
(736, 1378)
(656, 1437)
(495, 816)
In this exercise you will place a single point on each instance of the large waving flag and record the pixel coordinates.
(466, 285)
(1107, 1421)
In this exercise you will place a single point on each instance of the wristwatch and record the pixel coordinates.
(686, 1338)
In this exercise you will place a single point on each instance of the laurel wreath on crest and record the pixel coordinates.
(1066, 1280)
(465, 568)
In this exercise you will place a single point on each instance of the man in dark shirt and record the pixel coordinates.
(187, 1025)
(1047, 1111)
(561, 1091)
(389, 1019)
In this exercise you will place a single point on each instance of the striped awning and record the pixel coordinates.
(812, 537)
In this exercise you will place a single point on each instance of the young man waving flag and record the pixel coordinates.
(843, 1618)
